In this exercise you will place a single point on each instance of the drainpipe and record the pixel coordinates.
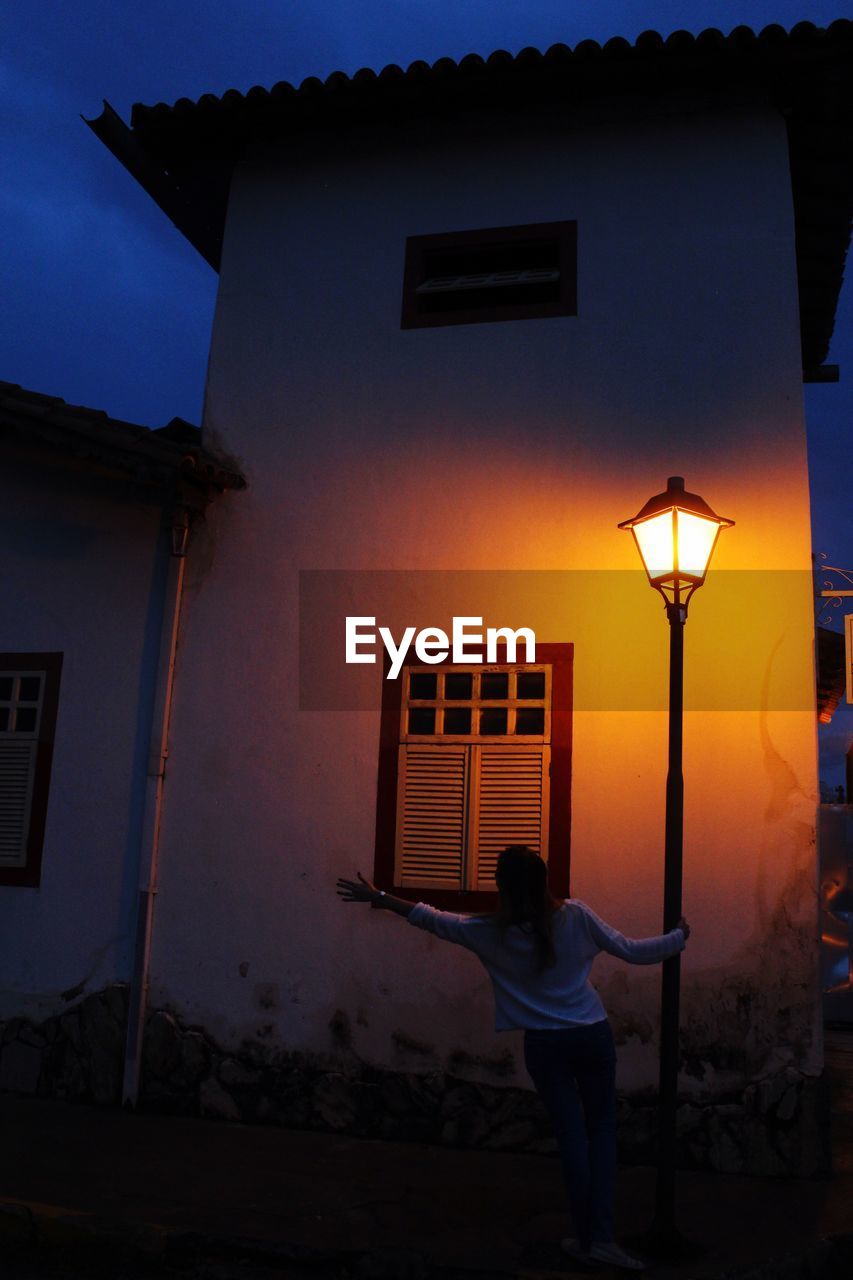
(153, 806)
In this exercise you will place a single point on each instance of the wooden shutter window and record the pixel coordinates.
(17, 775)
(458, 807)
(510, 805)
(455, 786)
(29, 700)
(432, 802)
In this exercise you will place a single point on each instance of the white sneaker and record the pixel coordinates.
(579, 1256)
(614, 1256)
(572, 1247)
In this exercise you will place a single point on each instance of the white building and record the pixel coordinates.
(672, 216)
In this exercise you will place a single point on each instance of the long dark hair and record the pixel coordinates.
(525, 899)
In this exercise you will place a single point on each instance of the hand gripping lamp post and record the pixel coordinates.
(675, 534)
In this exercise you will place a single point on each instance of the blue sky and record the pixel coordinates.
(106, 304)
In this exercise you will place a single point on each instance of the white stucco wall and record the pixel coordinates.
(501, 446)
(81, 577)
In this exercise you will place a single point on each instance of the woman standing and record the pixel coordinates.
(538, 951)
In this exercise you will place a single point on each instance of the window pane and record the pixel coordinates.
(423, 684)
(457, 720)
(531, 684)
(530, 720)
(493, 719)
(458, 685)
(422, 720)
(4, 718)
(5, 688)
(25, 720)
(30, 686)
(494, 685)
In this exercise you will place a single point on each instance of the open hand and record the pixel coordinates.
(353, 891)
(684, 927)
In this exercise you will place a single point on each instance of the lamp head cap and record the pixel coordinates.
(675, 495)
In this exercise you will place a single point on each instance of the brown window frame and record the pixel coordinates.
(29, 875)
(415, 272)
(560, 656)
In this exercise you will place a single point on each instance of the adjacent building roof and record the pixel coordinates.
(183, 155)
(158, 456)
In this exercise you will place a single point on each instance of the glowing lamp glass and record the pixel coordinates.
(656, 542)
(676, 543)
(695, 536)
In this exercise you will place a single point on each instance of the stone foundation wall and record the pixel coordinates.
(777, 1126)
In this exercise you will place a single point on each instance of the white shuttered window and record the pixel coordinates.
(29, 700)
(21, 694)
(17, 773)
(511, 800)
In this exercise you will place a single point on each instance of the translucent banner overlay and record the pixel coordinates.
(748, 641)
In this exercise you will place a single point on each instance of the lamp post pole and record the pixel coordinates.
(663, 1231)
(675, 532)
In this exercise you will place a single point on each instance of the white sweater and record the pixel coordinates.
(562, 995)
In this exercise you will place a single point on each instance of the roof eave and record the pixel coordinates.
(111, 130)
(183, 155)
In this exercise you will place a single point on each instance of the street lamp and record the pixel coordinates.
(675, 533)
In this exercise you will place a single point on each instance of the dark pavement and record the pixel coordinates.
(293, 1200)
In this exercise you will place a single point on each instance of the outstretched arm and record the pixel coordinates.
(636, 950)
(362, 890)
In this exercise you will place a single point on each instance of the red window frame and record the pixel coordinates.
(561, 658)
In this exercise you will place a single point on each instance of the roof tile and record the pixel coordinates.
(174, 450)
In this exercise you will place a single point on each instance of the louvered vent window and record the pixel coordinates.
(502, 273)
(28, 690)
(20, 711)
(473, 774)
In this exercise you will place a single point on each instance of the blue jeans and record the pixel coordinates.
(574, 1071)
